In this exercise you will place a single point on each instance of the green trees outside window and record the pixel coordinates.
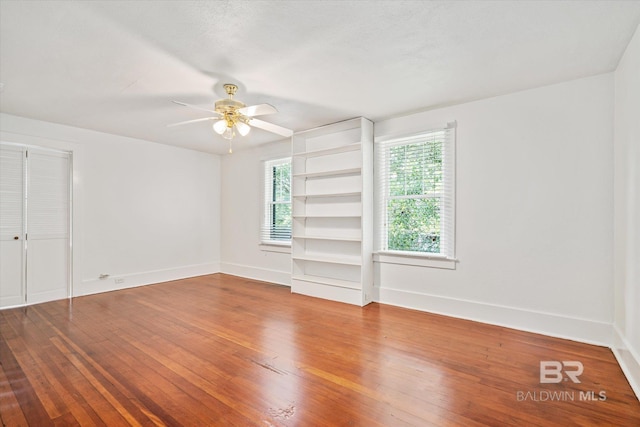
(280, 201)
(413, 202)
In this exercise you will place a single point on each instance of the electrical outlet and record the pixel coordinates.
(119, 280)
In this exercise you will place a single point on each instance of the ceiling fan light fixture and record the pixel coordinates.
(220, 126)
(243, 128)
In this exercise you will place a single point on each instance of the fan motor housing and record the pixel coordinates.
(228, 105)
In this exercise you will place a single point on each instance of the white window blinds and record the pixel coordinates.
(276, 223)
(416, 193)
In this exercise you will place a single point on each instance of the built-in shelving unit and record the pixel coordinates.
(332, 180)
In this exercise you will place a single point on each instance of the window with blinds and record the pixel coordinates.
(276, 226)
(415, 185)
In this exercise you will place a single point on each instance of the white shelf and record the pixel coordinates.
(344, 260)
(328, 216)
(332, 238)
(304, 196)
(327, 151)
(323, 174)
(328, 281)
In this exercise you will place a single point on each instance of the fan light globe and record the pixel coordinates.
(243, 128)
(228, 133)
(220, 126)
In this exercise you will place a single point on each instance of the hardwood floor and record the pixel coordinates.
(219, 350)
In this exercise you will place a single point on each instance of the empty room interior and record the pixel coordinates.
(319, 213)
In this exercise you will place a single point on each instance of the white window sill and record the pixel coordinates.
(282, 247)
(415, 259)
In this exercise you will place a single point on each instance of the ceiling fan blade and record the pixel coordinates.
(192, 121)
(195, 106)
(270, 127)
(257, 110)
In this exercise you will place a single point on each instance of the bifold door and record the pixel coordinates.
(35, 210)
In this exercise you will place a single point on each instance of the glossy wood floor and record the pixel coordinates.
(223, 351)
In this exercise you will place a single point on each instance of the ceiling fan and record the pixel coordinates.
(233, 116)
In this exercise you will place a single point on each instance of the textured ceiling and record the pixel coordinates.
(116, 66)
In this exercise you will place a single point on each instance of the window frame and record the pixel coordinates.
(446, 258)
(267, 242)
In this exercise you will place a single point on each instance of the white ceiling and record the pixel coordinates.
(116, 66)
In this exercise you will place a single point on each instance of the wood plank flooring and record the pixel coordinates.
(219, 350)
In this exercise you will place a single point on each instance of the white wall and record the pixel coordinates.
(143, 212)
(241, 213)
(534, 234)
(627, 212)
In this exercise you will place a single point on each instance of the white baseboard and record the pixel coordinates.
(95, 286)
(256, 273)
(12, 302)
(628, 360)
(582, 330)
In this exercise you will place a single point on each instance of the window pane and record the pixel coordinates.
(432, 173)
(414, 225)
(415, 169)
(282, 183)
(281, 221)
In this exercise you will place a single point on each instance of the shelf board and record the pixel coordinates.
(328, 281)
(334, 172)
(327, 151)
(334, 238)
(327, 216)
(329, 259)
(304, 196)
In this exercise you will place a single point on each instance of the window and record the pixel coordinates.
(415, 184)
(276, 228)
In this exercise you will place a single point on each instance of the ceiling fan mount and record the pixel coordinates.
(232, 115)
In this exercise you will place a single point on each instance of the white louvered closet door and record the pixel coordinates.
(12, 200)
(48, 210)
